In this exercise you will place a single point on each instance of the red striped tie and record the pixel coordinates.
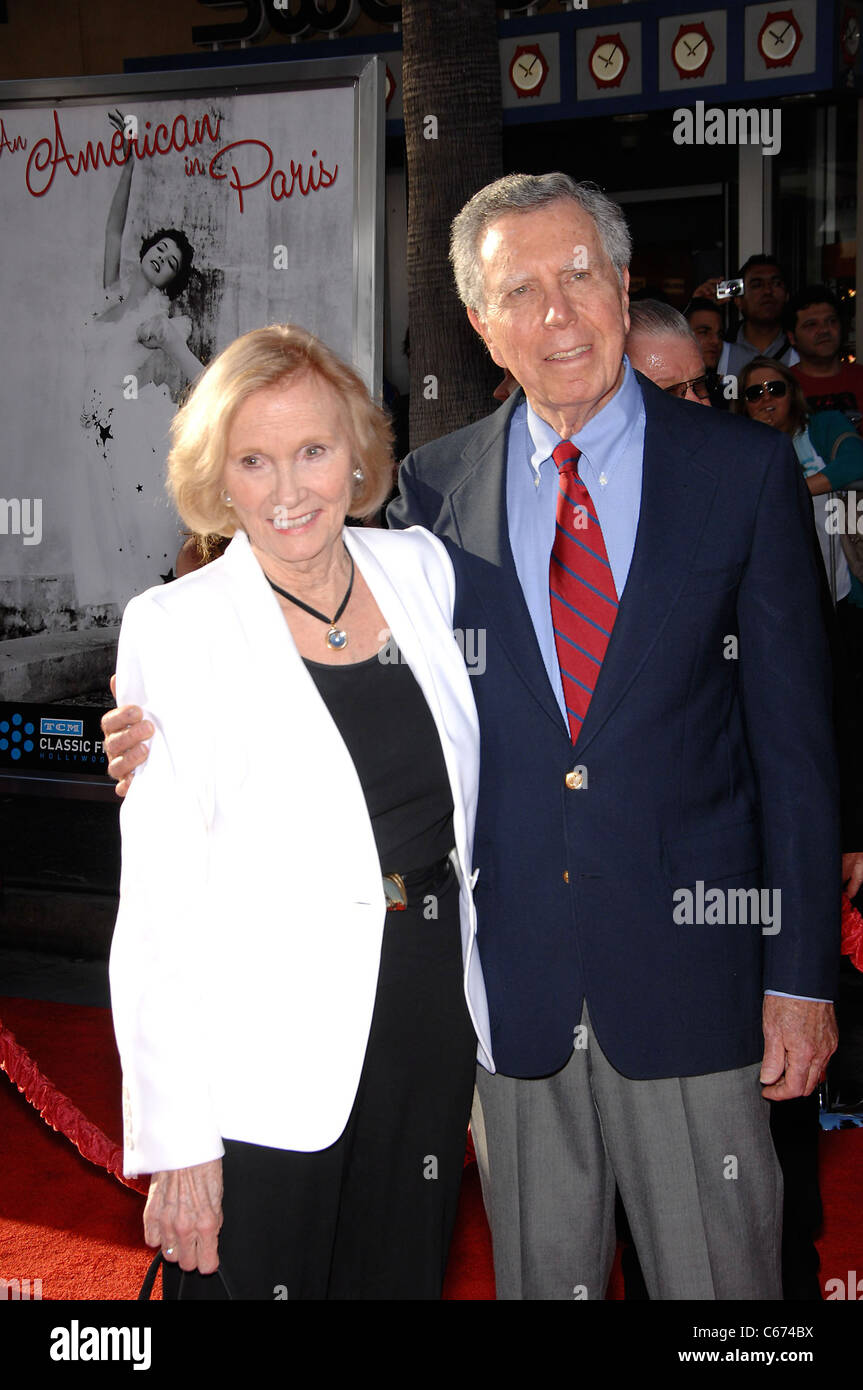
(583, 596)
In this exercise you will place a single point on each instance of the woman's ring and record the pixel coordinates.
(170, 1250)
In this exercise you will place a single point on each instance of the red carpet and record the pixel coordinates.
(76, 1228)
(62, 1220)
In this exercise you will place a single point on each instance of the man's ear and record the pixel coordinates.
(624, 298)
(791, 336)
(479, 326)
(476, 322)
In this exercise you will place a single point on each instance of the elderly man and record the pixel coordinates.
(655, 699)
(661, 345)
(657, 840)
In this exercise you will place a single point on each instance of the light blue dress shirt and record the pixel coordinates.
(612, 449)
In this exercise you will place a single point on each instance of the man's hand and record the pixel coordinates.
(125, 731)
(184, 1215)
(852, 873)
(799, 1039)
(707, 290)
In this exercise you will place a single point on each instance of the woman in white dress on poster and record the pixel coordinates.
(127, 415)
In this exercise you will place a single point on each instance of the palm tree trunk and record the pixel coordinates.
(452, 112)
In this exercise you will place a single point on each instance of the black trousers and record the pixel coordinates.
(795, 1126)
(371, 1217)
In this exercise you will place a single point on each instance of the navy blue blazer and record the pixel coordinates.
(700, 766)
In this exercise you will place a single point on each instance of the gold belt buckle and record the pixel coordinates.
(395, 893)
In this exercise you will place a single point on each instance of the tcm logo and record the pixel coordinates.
(20, 1290)
(75, 727)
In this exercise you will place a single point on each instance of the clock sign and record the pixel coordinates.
(779, 38)
(528, 70)
(692, 50)
(608, 60)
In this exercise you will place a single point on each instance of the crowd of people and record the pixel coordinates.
(681, 354)
(787, 367)
(802, 331)
(347, 873)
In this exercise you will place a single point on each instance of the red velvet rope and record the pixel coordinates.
(58, 1111)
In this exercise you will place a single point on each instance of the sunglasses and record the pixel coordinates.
(773, 388)
(697, 384)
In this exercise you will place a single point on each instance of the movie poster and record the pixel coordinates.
(139, 238)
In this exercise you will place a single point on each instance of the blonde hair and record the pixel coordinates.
(267, 357)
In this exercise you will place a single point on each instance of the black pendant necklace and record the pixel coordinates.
(337, 638)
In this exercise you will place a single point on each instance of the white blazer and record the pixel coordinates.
(245, 956)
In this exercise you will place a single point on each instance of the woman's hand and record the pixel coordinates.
(184, 1215)
(157, 332)
(167, 334)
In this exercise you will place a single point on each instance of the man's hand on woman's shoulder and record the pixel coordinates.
(125, 732)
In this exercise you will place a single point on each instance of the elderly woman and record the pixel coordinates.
(296, 987)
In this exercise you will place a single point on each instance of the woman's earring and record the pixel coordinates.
(359, 475)
(226, 498)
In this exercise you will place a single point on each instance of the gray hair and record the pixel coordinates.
(525, 193)
(653, 319)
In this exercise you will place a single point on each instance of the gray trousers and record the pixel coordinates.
(693, 1159)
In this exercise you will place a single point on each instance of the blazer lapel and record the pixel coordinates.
(478, 506)
(676, 496)
(260, 615)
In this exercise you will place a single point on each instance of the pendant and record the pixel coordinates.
(337, 639)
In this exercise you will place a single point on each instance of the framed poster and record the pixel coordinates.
(148, 220)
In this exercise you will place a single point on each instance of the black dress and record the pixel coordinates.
(372, 1215)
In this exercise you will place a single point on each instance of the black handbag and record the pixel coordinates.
(150, 1279)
